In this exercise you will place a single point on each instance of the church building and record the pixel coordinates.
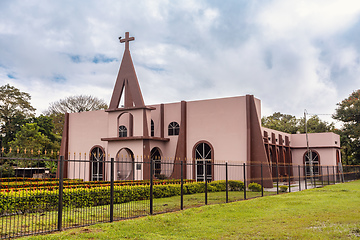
(225, 129)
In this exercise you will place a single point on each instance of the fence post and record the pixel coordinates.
(226, 182)
(322, 176)
(244, 181)
(289, 178)
(327, 167)
(299, 177)
(334, 174)
(151, 186)
(305, 176)
(206, 182)
(277, 178)
(61, 191)
(262, 180)
(182, 186)
(133, 167)
(112, 190)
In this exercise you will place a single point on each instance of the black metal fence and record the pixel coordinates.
(33, 202)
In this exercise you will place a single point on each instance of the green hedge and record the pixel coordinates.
(38, 201)
(42, 184)
(254, 187)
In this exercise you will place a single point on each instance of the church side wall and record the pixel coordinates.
(222, 123)
(172, 113)
(85, 131)
(326, 139)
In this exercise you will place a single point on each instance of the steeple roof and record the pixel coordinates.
(127, 81)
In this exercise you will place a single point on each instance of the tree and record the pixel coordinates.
(46, 127)
(80, 103)
(290, 124)
(15, 108)
(348, 111)
(281, 122)
(31, 142)
(315, 125)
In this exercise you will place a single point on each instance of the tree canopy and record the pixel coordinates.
(33, 140)
(281, 122)
(15, 109)
(290, 124)
(80, 103)
(348, 111)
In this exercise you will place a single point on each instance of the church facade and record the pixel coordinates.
(226, 129)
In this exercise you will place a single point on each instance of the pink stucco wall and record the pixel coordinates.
(220, 122)
(85, 131)
(326, 139)
(326, 144)
(277, 133)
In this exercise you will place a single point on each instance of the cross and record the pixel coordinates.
(126, 40)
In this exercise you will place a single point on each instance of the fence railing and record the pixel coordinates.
(33, 202)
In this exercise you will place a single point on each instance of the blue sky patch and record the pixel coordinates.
(101, 58)
(58, 78)
(75, 58)
(11, 76)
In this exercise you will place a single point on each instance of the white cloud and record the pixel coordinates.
(290, 54)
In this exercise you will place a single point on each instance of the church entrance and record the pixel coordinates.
(156, 158)
(97, 164)
(125, 165)
(203, 154)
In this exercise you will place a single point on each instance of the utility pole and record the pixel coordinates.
(309, 152)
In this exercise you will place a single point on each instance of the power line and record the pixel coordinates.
(320, 114)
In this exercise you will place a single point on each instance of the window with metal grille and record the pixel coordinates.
(173, 129)
(122, 131)
(152, 128)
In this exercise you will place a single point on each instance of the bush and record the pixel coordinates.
(255, 187)
(235, 185)
(283, 188)
(50, 184)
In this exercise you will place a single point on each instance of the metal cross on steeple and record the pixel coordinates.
(126, 40)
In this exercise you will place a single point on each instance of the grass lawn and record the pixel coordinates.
(332, 212)
(25, 224)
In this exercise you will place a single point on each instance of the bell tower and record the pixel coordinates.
(127, 84)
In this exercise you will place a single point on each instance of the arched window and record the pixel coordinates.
(156, 157)
(173, 129)
(122, 131)
(315, 163)
(125, 123)
(203, 153)
(152, 128)
(97, 164)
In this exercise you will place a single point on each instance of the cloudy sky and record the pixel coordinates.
(293, 55)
